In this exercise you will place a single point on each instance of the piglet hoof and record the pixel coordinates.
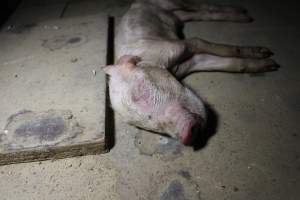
(255, 52)
(268, 65)
(270, 68)
(262, 65)
(264, 52)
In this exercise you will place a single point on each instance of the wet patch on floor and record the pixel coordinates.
(185, 174)
(175, 190)
(28, 129)
(45, 129)
(173, 186)
(64, 41)
(156, 145)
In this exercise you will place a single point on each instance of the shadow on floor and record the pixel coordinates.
(210, 129)
(109, 113)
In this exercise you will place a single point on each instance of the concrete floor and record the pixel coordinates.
(254, 150)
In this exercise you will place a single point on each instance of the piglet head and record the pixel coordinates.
(124, 64)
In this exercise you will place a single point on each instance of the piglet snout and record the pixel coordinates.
(191, 131)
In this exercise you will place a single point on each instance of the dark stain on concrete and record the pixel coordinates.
(74, 60)
(64, 41)
(185, 174)
(175, 191)
(28, 129)
(44, 129)
(235, 189)
(152, 144)
(74, 40)
(172, 146)
(175, 185)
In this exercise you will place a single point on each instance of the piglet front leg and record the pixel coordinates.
(151, 98)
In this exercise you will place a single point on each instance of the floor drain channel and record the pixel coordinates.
(109, 113)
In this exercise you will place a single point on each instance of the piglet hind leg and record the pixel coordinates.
(198, 46)
(217, 8)
(207, 12)
(211, 63)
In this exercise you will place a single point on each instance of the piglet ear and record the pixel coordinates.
(108, 69)
(128, 60)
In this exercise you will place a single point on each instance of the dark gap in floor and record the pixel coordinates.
(109, 113)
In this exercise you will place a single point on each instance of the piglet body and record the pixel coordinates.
(151, 98)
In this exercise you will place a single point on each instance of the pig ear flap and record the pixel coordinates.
(108, 69)
(128, 60)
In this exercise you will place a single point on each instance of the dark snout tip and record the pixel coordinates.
(189, 138)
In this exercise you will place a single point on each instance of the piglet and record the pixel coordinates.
(150, 98)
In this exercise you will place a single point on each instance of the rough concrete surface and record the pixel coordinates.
(48, 61)
(252, 152)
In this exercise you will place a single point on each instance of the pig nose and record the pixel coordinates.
(191, 135)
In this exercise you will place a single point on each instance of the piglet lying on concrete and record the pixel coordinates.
(151, 98)
(151, 55)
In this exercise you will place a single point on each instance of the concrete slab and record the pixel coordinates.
(54, 64)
